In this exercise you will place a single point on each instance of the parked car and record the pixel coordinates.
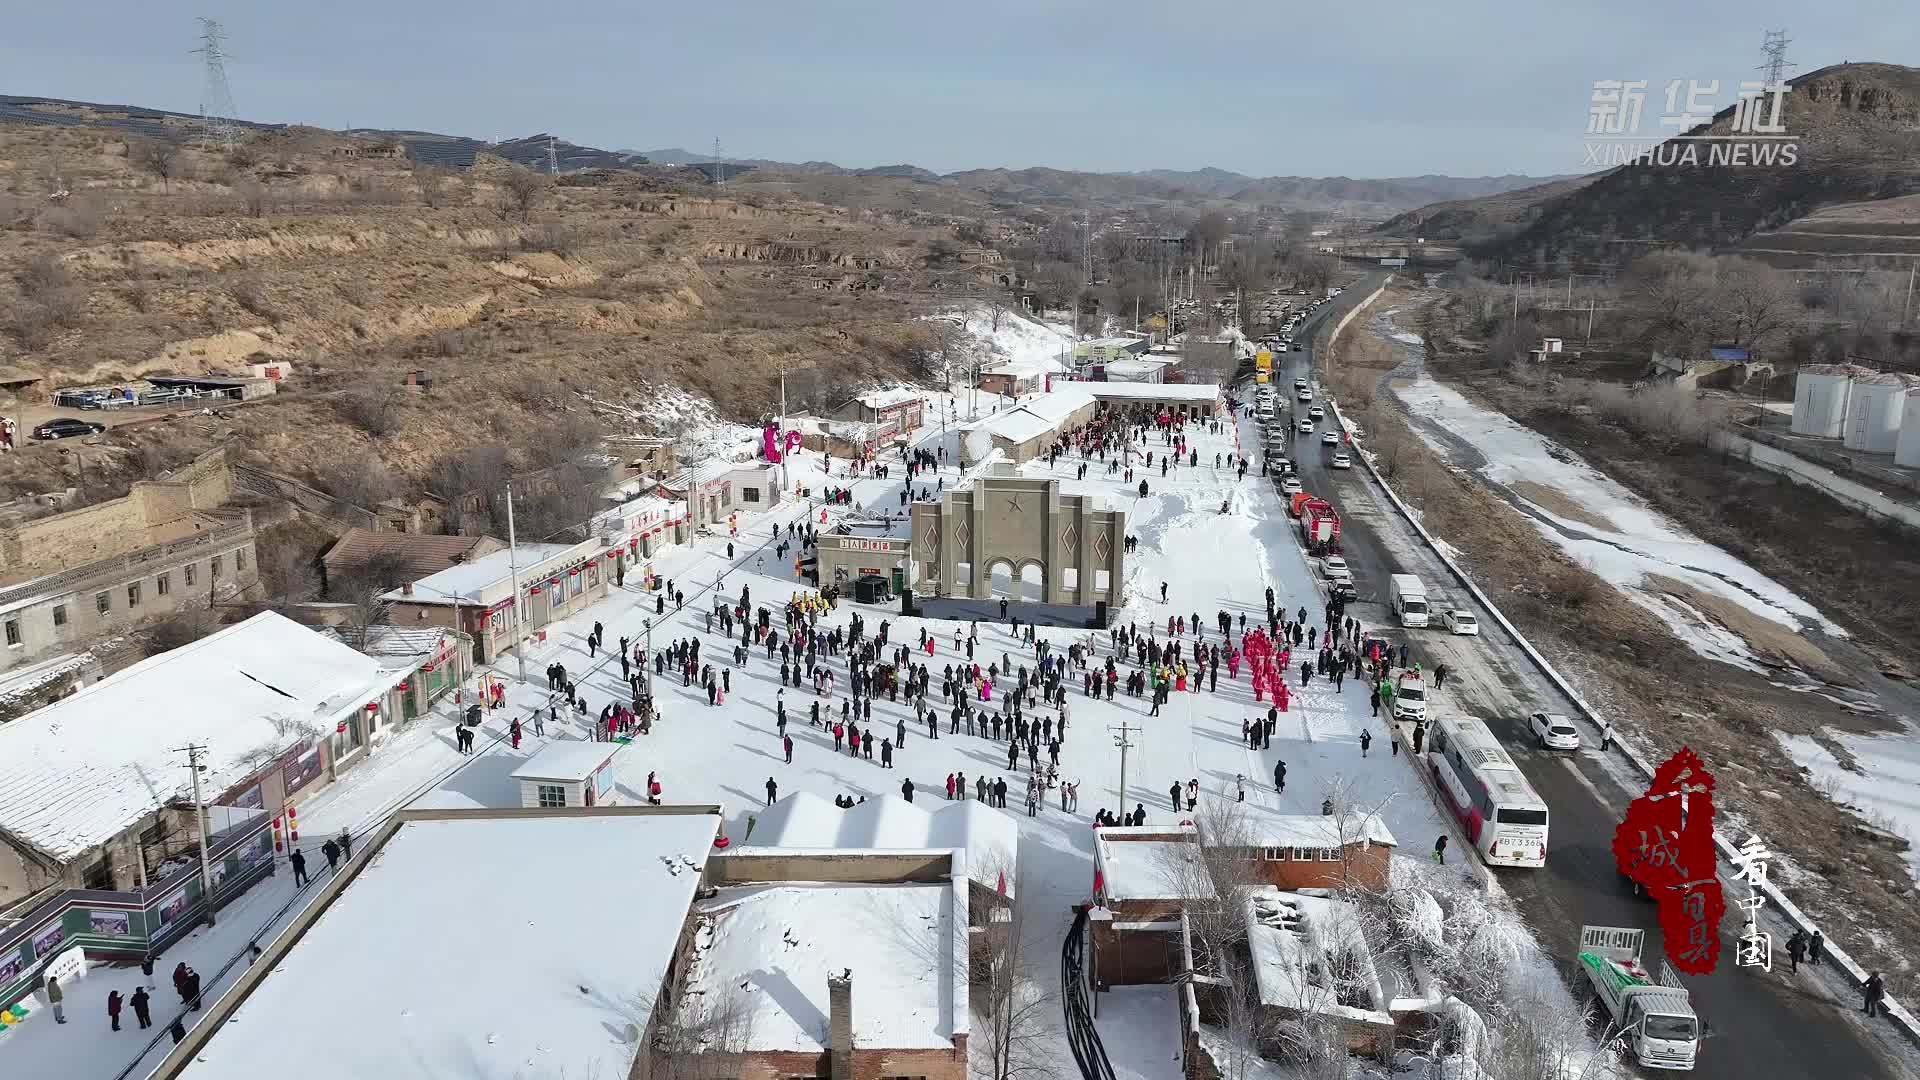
(1462, 622)
(1342, 460)
(1290, 484)
(1554, 731)
(67, 428)
(1334, 568)
(1330, 438)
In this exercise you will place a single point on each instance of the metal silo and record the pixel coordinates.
(1820, 400)
(1875, 408)
(1906, 450)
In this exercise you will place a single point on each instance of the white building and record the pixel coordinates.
(569, 772)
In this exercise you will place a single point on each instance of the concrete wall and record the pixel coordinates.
(1802, 471)
(752, 866)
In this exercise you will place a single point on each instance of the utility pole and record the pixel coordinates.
(719, 167)
(194, 768)
(553, 159)
(513, 570)
(1122, 739)
(1907, 307)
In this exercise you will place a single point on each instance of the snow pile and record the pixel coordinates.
(689, 419)
(1016, 339)
(1617, 536)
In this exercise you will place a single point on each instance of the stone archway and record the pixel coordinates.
(1001, 580)
(1033, 582)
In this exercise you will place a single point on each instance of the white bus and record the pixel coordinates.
(1503, 817)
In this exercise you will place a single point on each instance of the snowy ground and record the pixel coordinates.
(1620, 538)
(1886, 791)
(1210, 561)
(1140, 1029)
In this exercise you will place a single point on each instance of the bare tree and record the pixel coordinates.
(521, 189)
(253, 196)
(287, 573)
(362, 589)
(159, 156)
(433, 183)
(1013, 1017)
(700, 1037)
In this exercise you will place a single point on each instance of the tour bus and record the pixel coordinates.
(1502, 815)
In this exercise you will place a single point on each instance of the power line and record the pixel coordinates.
(216, 94)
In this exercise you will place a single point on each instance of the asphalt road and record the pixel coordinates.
(1759, 1024)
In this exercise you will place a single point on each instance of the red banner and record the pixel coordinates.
(1666, 845)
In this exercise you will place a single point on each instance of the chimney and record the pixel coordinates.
(406, 588)
(840, 1025)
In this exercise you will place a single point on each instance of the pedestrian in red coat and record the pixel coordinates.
(515, 731)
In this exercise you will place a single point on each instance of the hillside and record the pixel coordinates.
(1858, 138)
(605, 292)
(1478, 220)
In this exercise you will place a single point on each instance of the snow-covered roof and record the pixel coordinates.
(1019, 426)
(886, 399)
(566, 759)
(1020, 369)
(1291, 936)
(1144, 863)
(1109, 343)
(1061, 403)
(773, 947)
(389, 640)
(1141, 366)
(84, 769)
(805, 820)
(1313, 830)
(462, 948)
(1154, 391)
(468, 580)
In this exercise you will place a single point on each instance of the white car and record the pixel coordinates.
(1329, 438)
(1461, 622)
(1305, 393)
(1341, 460)
(1554, 732)
(1316, 413)
(1290, 484)
(1334, 568)
(1306, 427)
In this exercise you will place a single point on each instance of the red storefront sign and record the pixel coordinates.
(1666, 844)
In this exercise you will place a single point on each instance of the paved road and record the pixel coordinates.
(1760, 1025)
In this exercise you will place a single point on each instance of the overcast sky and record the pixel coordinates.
(1389, 88)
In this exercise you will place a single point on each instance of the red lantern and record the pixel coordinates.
(372, 706)
(340, 728)
(403, 687)
(535, 591)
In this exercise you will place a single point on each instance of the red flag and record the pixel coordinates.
(1003, 883)
(1099, 883)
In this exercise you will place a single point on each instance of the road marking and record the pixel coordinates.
(1567, 762)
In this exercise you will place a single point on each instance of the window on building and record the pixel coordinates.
(1328, 854)
(103, 602)
(213, 568)
(59, 614)
(162, 584)
(240, 560)
(186, 574)
(962, 573)
(1070, 577)
(133, 595)
(13, 633)
(750, 494)
(1102, 580)
(1276, 854)
(552, 795)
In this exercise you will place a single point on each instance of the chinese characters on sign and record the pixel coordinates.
(1754, 132)
(1755, 946)
(1666, 845)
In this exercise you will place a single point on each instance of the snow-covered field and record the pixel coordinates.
(1886, 791)
(1617, 536)
(1210, 561)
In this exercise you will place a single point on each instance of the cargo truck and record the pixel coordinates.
(1409, 600)
(1653, 1017)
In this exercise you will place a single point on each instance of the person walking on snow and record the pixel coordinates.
(906, 790)
(1440, 849)
(773, 791)
(1173, 796)
(1873, 990)
(1366, 740)
(1280, 777)
(514, 731)
(332, 851)
(299, 863)
(140, 1002)
(113, 1009)
(786, 743)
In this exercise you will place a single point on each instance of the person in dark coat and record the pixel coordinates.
(1816, 947)
(1173, 796)
(346, 844)
(906, 790)
(1796, 948)
(1280, 776)
(773, 789)
(1874, 989)
(786, 742)
(113, 1009)
(332, 851)
(180, 980)
(193, 990)
(299, 863)
(178, 1030)
(140, 1002)
(146, 971)
(886, 753)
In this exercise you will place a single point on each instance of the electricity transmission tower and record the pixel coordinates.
(553, 158)
(216, 95)
(1775, 50)
(719, 165)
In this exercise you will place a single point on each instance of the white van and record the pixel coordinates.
(1409, 600)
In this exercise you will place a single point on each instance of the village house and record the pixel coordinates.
(411, 554)
(280, 709)
(715, 490)
(75, 577)
(894, 412)
(477, 597)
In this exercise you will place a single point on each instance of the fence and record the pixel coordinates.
(1082, 1037)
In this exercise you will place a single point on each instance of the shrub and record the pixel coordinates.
(251, 294)
(374, 411)
(44, 275)
(553, 238)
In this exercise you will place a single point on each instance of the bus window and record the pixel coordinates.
(1517, 816)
